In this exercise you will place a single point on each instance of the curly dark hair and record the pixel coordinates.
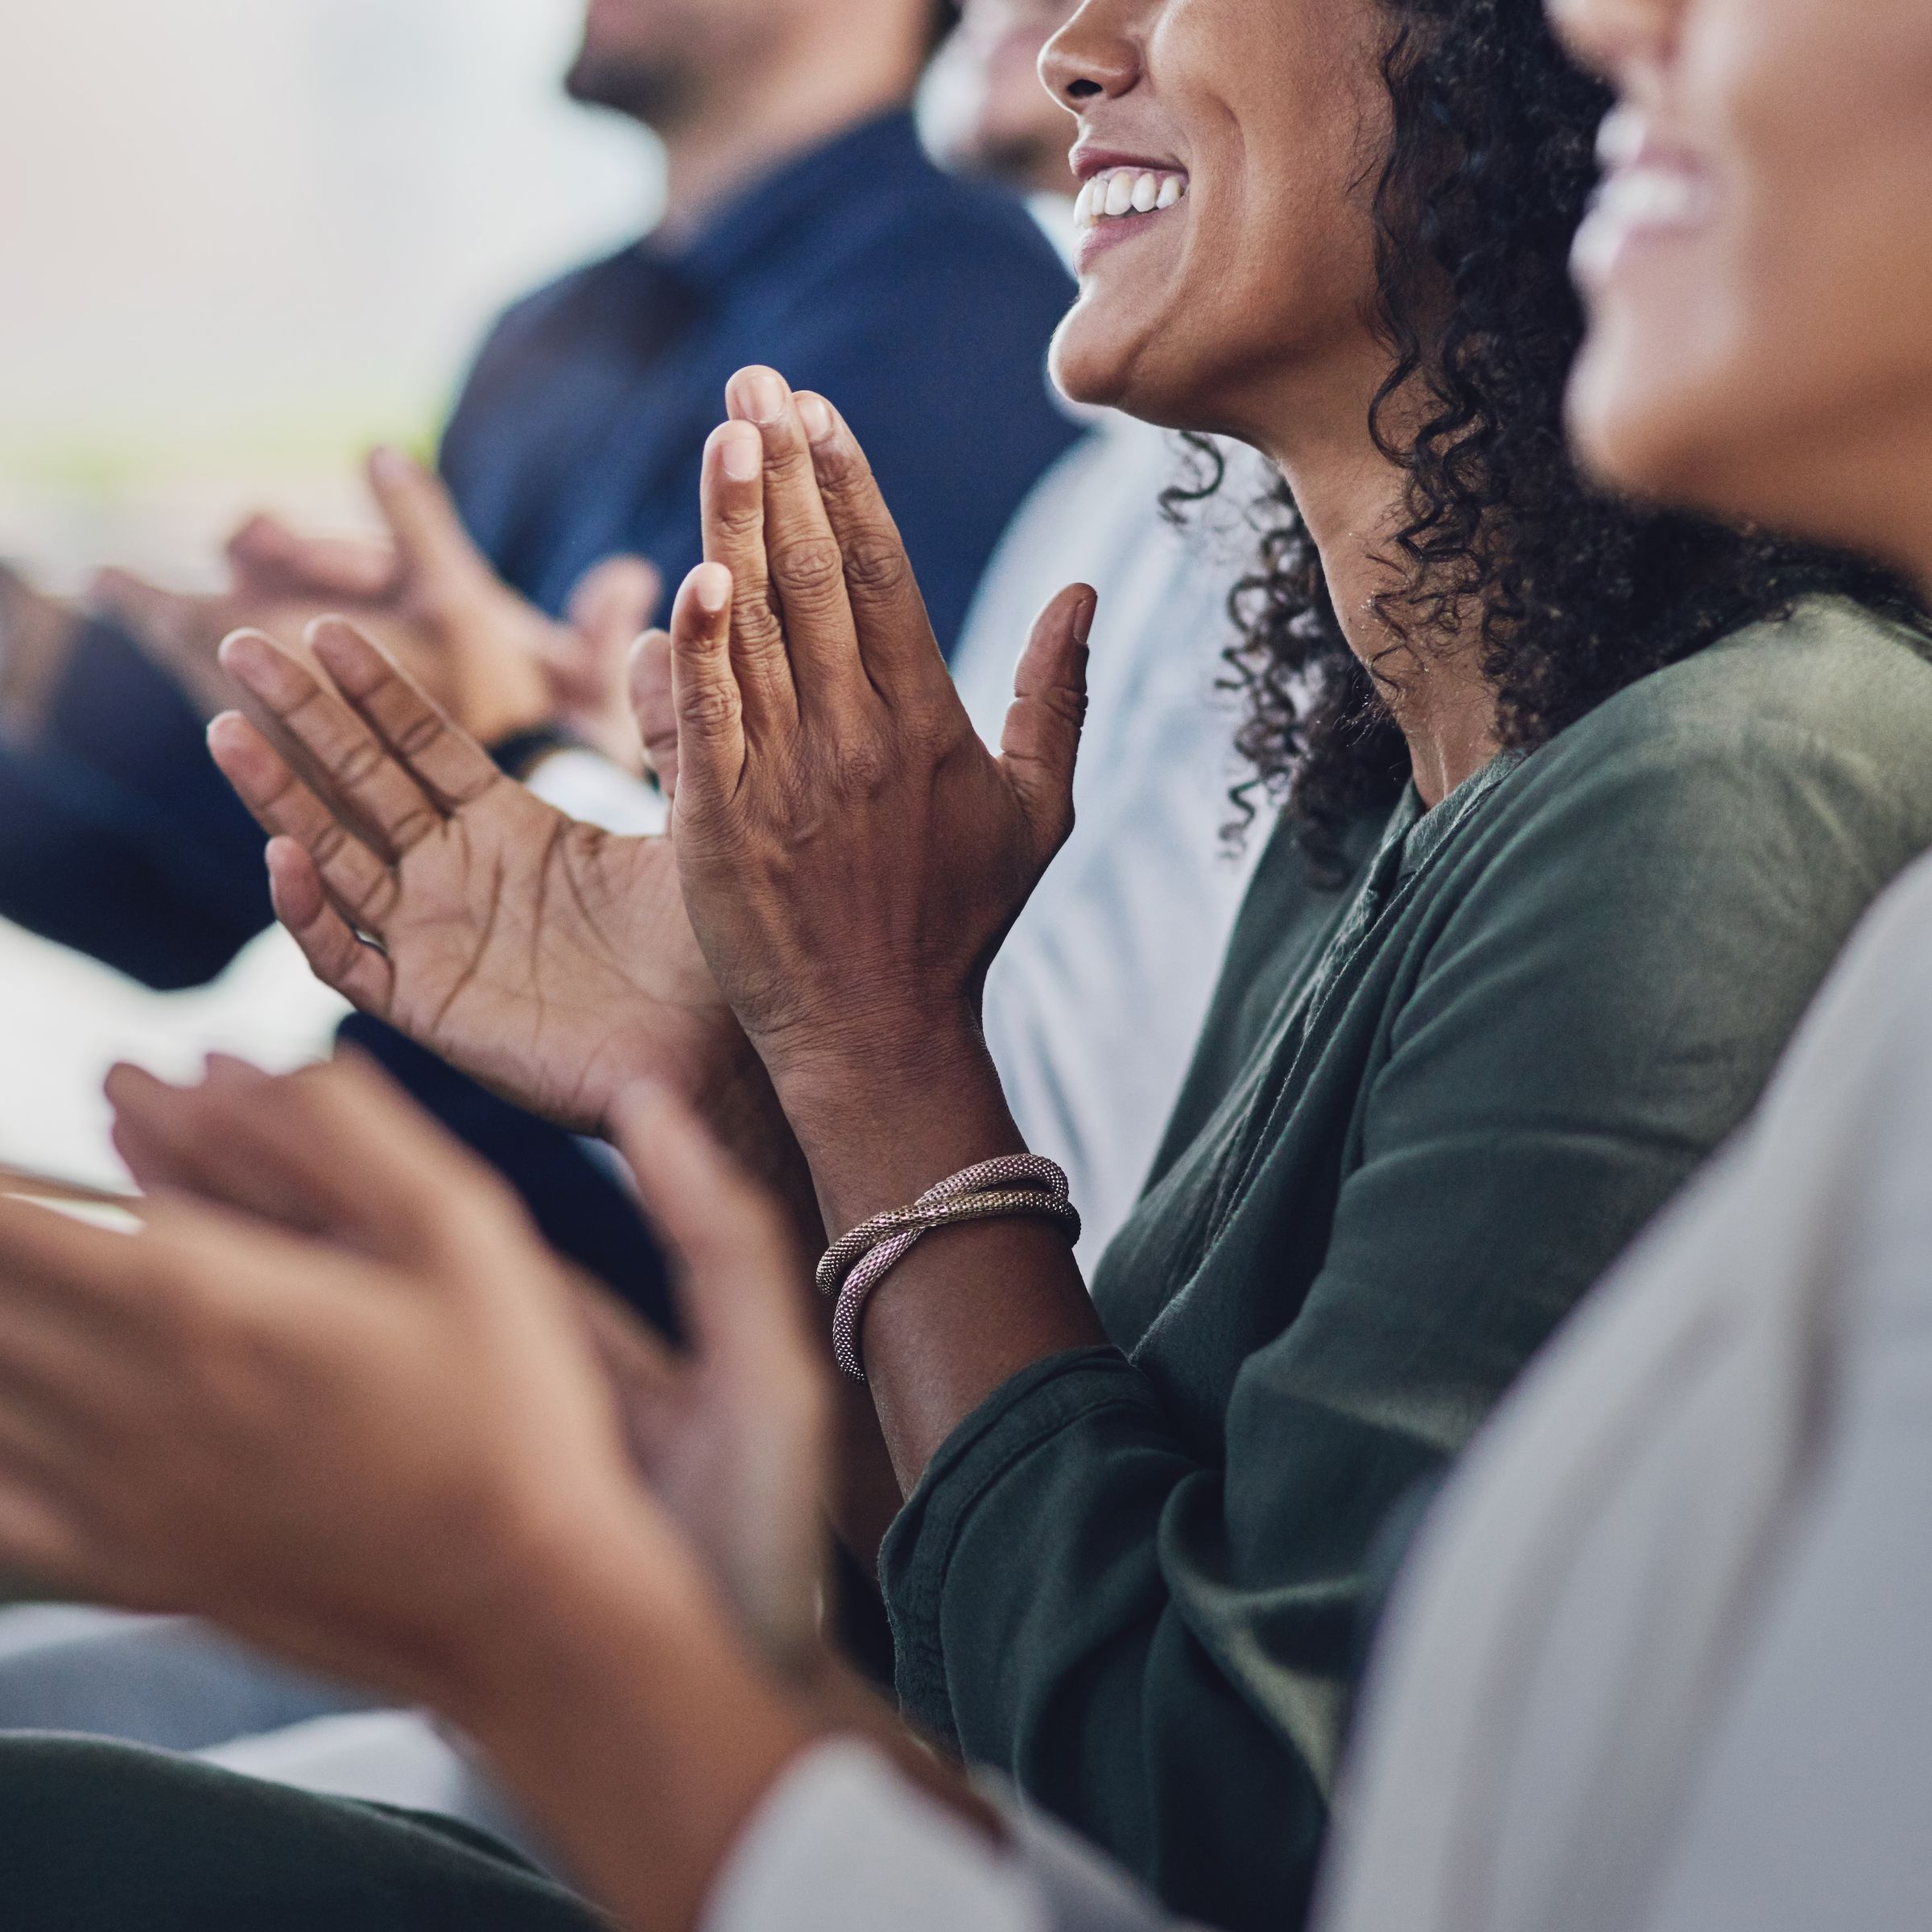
(1490, 165)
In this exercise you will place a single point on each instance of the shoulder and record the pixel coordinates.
(589, 285)
(1833, 683)
(959, 249)
(1695, 852)
(1815, 726)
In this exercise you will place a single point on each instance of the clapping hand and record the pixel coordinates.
(339, 1396)
(549, 959)
(491, 660)
(852, 853)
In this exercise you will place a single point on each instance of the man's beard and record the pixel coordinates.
(660, 92)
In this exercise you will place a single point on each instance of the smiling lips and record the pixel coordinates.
(1650, 191)
(1117, 192)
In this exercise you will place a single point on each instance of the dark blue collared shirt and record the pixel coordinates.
(920, 305)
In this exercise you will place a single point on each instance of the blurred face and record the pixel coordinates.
(1759, 270)
(995, 117)
(1228, 151)
(654, 58)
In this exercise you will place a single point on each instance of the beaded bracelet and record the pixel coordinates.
(857, 1263)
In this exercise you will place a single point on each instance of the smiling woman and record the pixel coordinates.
(1625, 786)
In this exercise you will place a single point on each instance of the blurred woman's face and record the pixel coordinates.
(1229, 151)
(1759, 270)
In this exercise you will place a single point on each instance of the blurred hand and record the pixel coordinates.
(493, 661)
(549, 959)
(851, 854)
(37, 632)
(731, 1438)
(359, 1453)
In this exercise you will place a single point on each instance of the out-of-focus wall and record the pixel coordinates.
(240, 239)
(237, 240)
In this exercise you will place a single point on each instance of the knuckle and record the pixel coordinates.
(864, 765)
(357, 765)
(877, 565)
(709, 707)
(810, 567)
(758, 628)
(418, 735)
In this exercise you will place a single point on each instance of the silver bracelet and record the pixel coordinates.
(1023, 1184)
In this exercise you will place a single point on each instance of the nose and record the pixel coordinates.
(1619, 38)
(1096, 54)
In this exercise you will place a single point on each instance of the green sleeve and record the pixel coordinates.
(1589, 989)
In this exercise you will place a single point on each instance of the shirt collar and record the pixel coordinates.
(879, 152)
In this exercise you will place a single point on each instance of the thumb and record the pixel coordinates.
(616, 600)
(741, 1283)
(431, 541)
(651, 698)
(585, 655)
(1041, 740)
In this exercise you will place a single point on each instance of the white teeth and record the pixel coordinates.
(1123, 191)
(1652, 197)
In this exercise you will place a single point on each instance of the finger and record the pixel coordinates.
(359, 883)
(38, 1541)
(274, 560)
(337, 954)
(616, 600)
(440, 758)
(805, 570)
(705, 693)
(195, 1141)
(366, 1162)
(743, 1285)
(733, 502)
(657, 714)
(356, 767)
(896, 641)
(431, 542)
(1041, 740)
(168, 624)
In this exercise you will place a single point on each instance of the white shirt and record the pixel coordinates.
(1095, 1002)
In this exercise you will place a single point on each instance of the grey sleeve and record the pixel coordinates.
(1809, 1808)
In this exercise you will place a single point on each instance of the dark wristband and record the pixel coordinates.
(519, 754)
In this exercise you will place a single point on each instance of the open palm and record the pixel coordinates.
(547, 959)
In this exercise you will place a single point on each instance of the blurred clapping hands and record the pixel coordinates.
(493, 661)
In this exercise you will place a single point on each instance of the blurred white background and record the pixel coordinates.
(239, 242)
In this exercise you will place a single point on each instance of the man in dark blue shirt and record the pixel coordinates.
(806, 228)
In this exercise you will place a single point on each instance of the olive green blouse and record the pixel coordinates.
(1427, 1111)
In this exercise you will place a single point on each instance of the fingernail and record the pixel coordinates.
(244, 650)
(742, 451)
(1082, 619)
(765, 397)
(815, 413)
(711, 585)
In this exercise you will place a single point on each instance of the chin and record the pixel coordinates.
(1102, 367)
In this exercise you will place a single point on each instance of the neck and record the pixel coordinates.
(1351, 497)
(791, 104)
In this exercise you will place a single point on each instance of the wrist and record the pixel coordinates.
(637, 1734)
(882, 1117)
